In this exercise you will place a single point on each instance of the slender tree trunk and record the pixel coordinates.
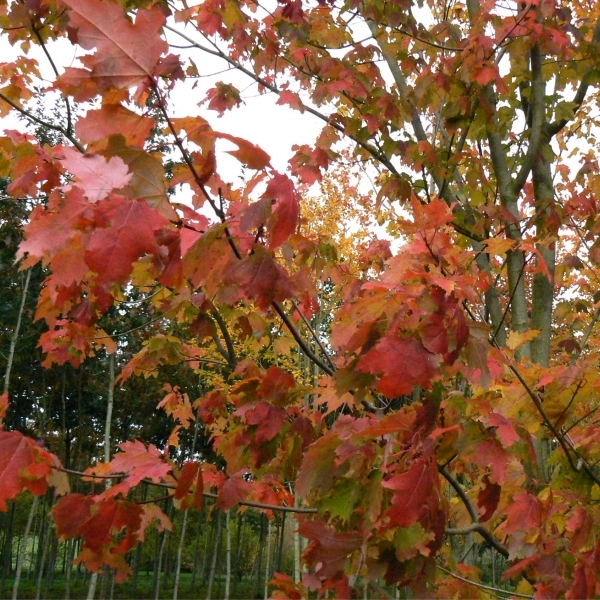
(238, 554)
(184, 523)
(196, 545)
(228, 554)
(261, 543)
(107, 426)
(15, 334)
(159, 565)
(297, 547)
(23, 552)
(69, 567)
(268, 561)
(7, 550)
(51, 566)
(213, 564)
(179, 550)
(46, 544)
(281, 538)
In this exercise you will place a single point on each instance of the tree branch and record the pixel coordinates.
(35, 119)
(536, 106)
(584, 85)
(273, 88)
(477, 526)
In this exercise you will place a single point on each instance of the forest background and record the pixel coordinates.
(255, 392)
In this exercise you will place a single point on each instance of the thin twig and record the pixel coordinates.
(482, 586)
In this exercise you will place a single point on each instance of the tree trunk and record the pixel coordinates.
(159, 565)
(179, 550)
(15, 335)
(268, 560)
(107, 426)
(228, 554)
(213, 564)
(281, 538)
(23, 552)
(195, 565)
(69, 567)
(46, 544)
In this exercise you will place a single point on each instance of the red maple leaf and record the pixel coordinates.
(49, 230)
(23, 465)
(114, 119)
(284, 218)
(190, 486)
(234, 490)
(402, 363)
(127, 53)
(488, 498)
(328, 550)
(96, 176)
(136, 462)
(261, 278)
(128, 236)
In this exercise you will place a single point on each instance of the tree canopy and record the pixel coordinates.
(401, 392)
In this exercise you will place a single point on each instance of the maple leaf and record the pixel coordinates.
(488, 498)
(412, 493)
(128, 236)
(524, 512)
(50, 230)
(284, 217)
(268, 419)
(177, 405)
(3, 406)
(23, 465)
(223, 97)
(234, 490)
(247, 153)
(276, 385)
(261, 278)
(114, 119)
(70, 512)
(190, 477)
(96, 176)
(135, 462)
(127, 53)
(403, 364)
(148, 176)
(328, 550)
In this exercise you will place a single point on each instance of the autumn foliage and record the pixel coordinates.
(401, 389)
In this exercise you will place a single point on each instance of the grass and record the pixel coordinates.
(145, 588)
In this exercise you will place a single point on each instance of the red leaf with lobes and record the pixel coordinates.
(260, 277)
(23, 465)
(96, 176)
(234, 490)
(3, 406)
(129, 236)
(247, 153)
(70, 513)
(328, 550)
(269, 420)
(127, 53)
(50, 230)
(414, 492)
(112, 119)
(488, 498)
(284, 218)
(191, 475)
(524, 512)
(403, 364)
(135, 461)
